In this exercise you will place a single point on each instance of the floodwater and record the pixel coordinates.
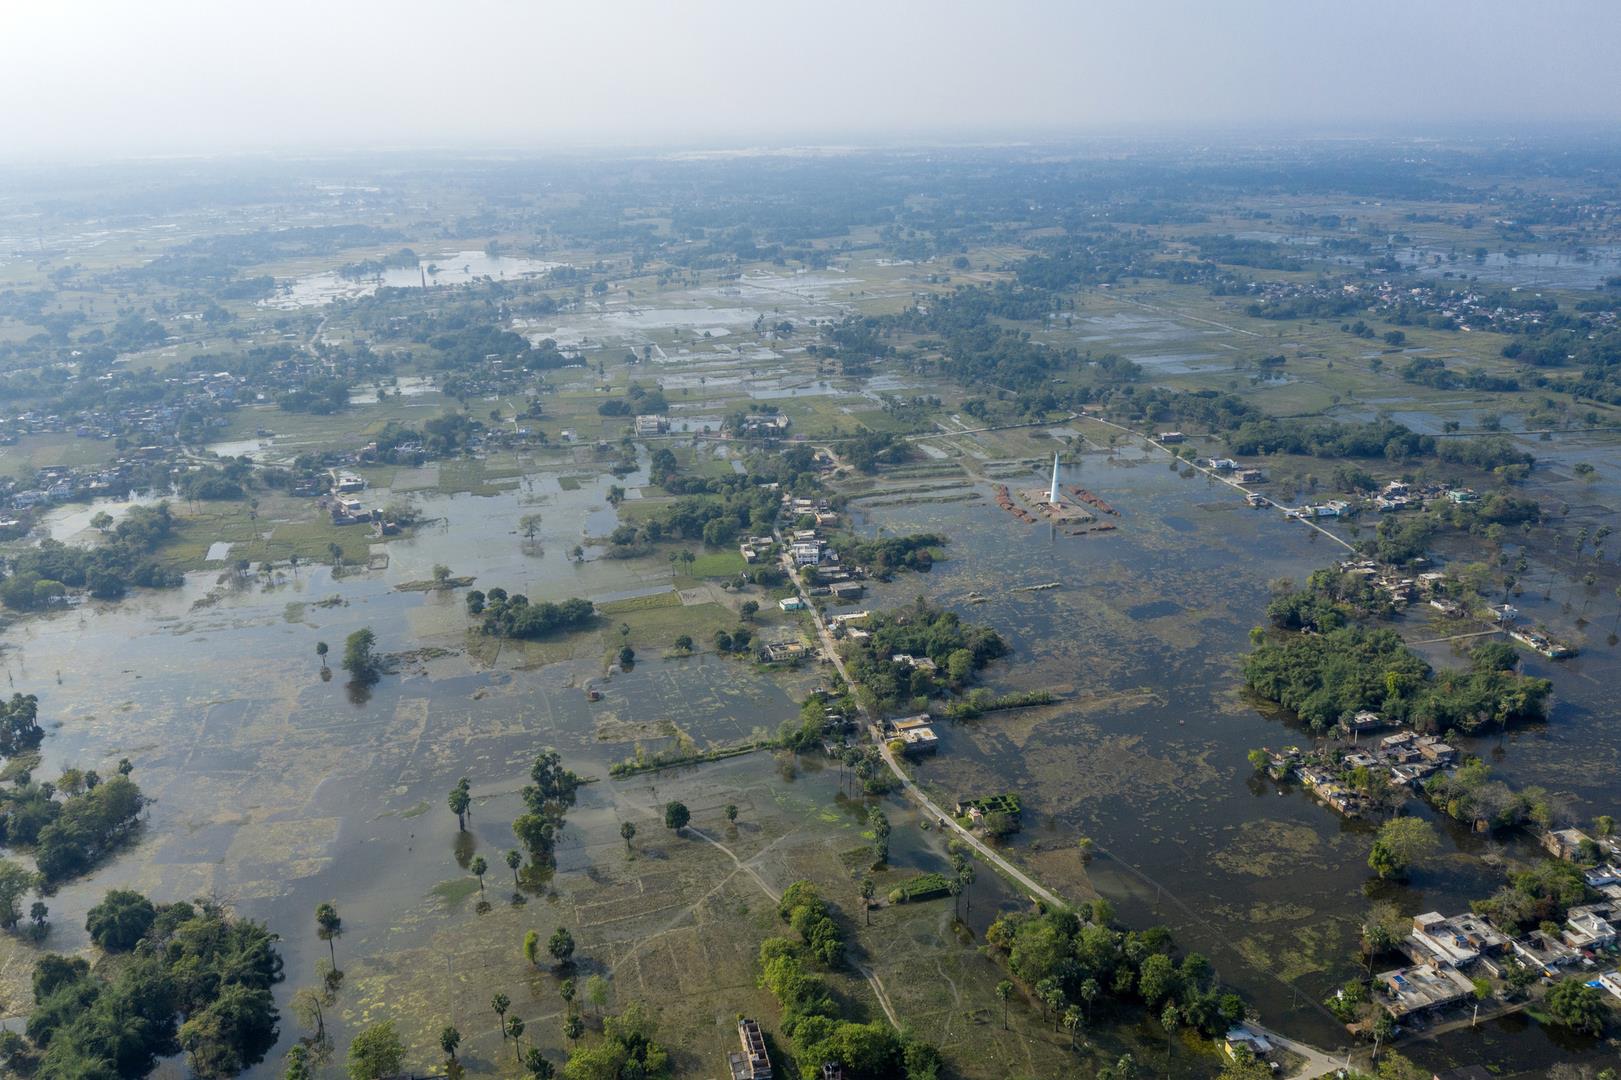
(276, 789)
(1144, 640)
(451, 268)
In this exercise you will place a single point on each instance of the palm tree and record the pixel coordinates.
(1072, 1020)
(869, 889)
(514, 860)
(321, 649)
(500, 1003)
(479, 867)
(449, 1040)
(328, 927)
(515, 1029)
(573, 1028)
(1004, 990)
(954, 887)
(1170, 1020)
(628, 831)
(1089, 993)
(461, 800)
(965, 874)
(539, 1068)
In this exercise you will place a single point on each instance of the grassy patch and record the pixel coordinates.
(714, 564)
(640, 603)
(453, 892)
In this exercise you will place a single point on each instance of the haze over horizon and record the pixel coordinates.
(185, 77)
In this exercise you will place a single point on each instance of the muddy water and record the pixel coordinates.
(1144, 639)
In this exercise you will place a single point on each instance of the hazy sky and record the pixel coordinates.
(97, 78)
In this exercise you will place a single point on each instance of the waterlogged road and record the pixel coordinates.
(1032, 886)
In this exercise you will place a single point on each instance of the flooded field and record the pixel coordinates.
(1143, 639)
(450, 268)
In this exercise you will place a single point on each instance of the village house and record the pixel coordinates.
(1544, 954)
(782, 652)
(1587, 927)
(791, 603)
(1363, 722)
(847, 590)
(1458, 941)
(914, 733)
(1611, 981)
(1242, 1036)
(752, 1062)
(1565, 843)
(1419, 989)
(652, 425)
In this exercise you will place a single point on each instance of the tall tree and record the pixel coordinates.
(328, 927)
(501, 1003)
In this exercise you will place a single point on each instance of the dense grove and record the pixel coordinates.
(958, 650)
(883, 556)
(200, 981)
(69, 824)
(1327, 677)
(19, 724)
(1075, 959)
(42, 574)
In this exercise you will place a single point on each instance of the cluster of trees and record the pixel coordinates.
(19, 725)
(1331, 599)
(638, 401)
(1329, 439)
(40, 575)
(727, 508)
(1538, 896)
(1328, 677)
(629, 1048)
(501, 615)
(1070, 961)
(1468, 794)
(68, 834)
(547, 798)
(957, 649)
(360, 657)
(195, 979)
(884, 556)
(811, 1014)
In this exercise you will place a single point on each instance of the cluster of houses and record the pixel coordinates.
(1408, 758)
(1433, 586)
(1396, 496)
(1466, 308)
(1447, 953)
